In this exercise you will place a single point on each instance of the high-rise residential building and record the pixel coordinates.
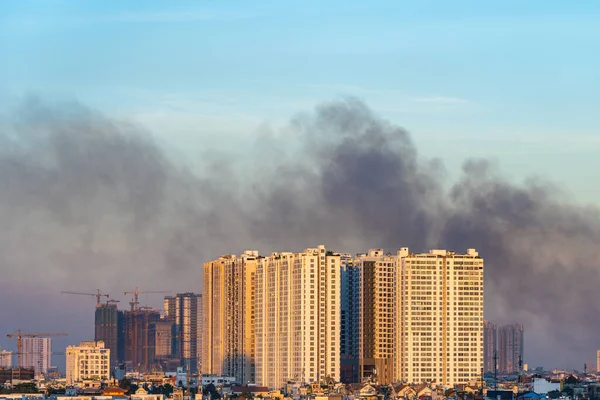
(185, 313)
(213, 327)
(350, 319)
(109, 328)
(297, 317)
(88, 361)
(439, 317)
(510, 348)
(37, 354)
(489, 346)
(598, 361)
(377, 319)
(5, 358)
(228, 316)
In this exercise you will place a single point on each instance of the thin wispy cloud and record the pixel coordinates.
(439, 100)
(176, 16)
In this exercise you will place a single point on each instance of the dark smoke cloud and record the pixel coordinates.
(88, 202)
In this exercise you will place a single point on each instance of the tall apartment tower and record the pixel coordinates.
(350, 319)
(298, 317)
(37, 354)
(109, 329)
(597, 360)
(510, 348)
(377, 319)
(228, 316)
(88, 361)
(440, 317)
(185, 312)
(490, 345)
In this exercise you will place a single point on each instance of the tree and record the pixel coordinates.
(132, 389)
(211, 390)
(554, 394)
(167, 389)
(125, 383)
(52, 390)
(25, 387)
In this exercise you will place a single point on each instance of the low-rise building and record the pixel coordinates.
(88, 361)
(217, 380)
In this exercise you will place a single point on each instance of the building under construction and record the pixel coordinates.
(16, 374)
(140, 339)
(110, 328)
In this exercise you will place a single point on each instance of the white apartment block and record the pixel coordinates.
(36, 354)
(297, 317)
(440, 317)
(5, 358)
(88, 361)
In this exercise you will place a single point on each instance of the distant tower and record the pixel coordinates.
(5, 358)
(185, 310)
(37, 354)
(598, 360)
(490, 344)
(510, 348)
(109, 329)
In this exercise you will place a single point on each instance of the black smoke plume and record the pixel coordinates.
(89, 202)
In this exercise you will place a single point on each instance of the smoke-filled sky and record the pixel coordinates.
(198, 130)
(87, 201)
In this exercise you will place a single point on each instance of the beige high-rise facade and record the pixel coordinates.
(401, 317)
(440, 317)
(228, 331)
(88, 361)
(298, 317)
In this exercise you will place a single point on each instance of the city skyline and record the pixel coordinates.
(347, 260)
(138, 140)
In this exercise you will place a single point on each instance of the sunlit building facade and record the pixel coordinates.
(228, 329)
(88, 361)
(298, 317)
(440, 317)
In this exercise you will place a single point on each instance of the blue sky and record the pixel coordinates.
(513, 81)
